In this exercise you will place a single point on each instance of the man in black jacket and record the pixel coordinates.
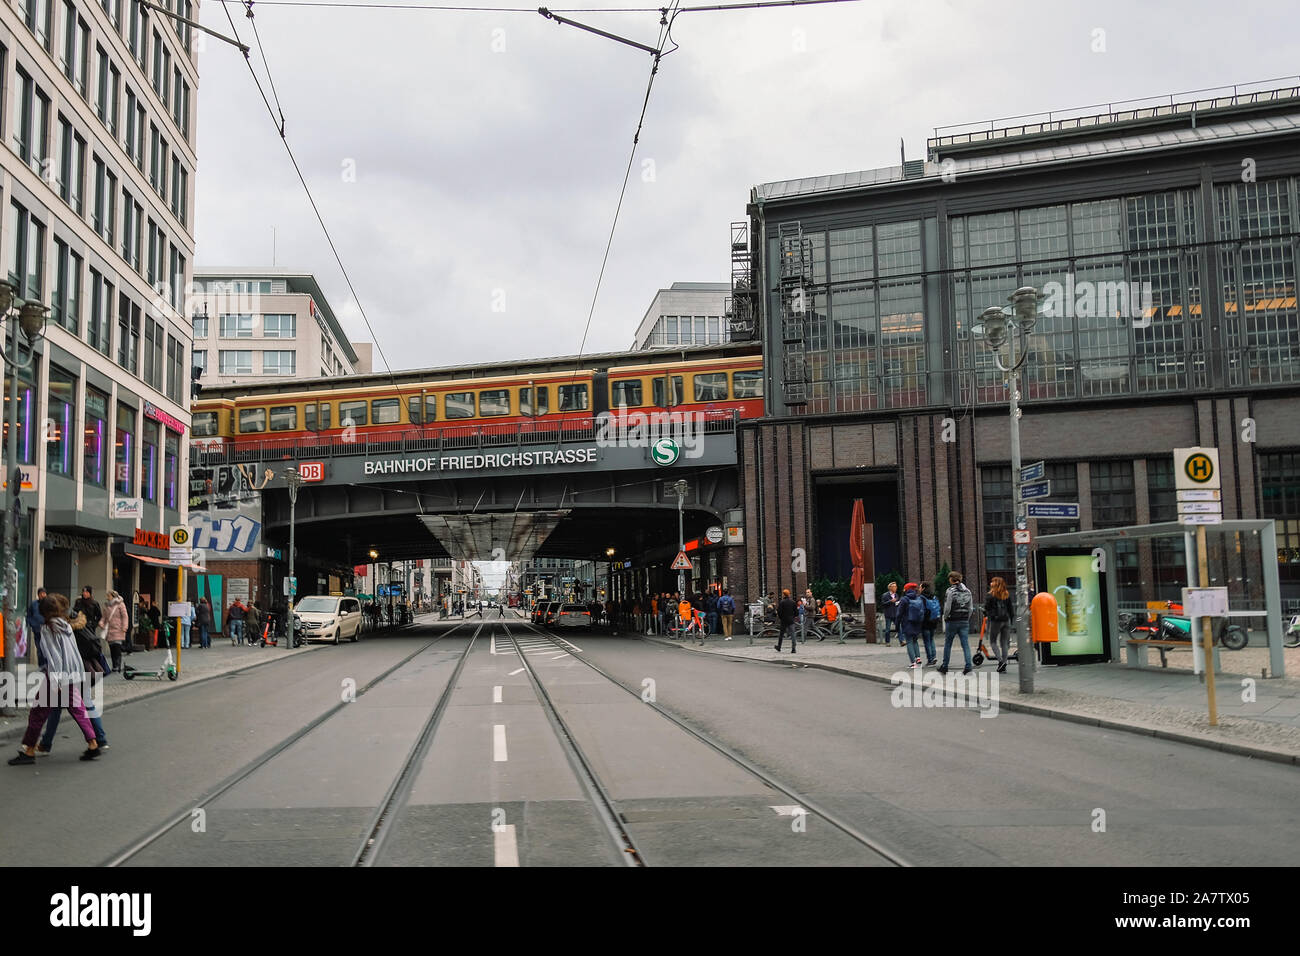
(786, 612)
(87, 605)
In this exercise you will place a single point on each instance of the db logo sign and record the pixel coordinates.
(312, 471)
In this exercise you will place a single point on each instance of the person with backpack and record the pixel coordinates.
(726, 610)
(957, 607)
(911, 619)
(999, 609)
(711, 610)
(933, 616)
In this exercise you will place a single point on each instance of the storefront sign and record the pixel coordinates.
(525, 459)
(74, 542)
(129, 508)
(158, 415)
(237, 588)
(30, 476)
(151, 539)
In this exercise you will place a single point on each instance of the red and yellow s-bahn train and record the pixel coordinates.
(717, 382)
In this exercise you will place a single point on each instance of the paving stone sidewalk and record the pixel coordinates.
(1169, 703)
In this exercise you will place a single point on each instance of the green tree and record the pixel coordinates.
(941, 579)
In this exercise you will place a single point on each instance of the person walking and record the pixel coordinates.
(235, 614)
(889, 604)
(911, 621)
(253, 624)
(786, 613)
(999, 609)
(957, 607)
(34, 620)
(933, 617)
(62, 675)
(711, 611)
(203, 618)
(187, 624)
(88, 647)
(150, 621)
(119, 622)
(726, 613)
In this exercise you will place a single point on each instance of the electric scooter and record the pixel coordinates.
(168, 667)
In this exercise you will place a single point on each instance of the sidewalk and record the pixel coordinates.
(1163, 703)
(196, 665)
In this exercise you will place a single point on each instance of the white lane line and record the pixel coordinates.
(572, 647)
(556, 657)
(499, 743)
(513, 673)
(507, 850)
(789, 811)
(492, 648)
(496, 694)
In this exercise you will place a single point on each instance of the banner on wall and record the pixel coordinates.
(1083, 634)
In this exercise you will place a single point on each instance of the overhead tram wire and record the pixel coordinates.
(392, 378)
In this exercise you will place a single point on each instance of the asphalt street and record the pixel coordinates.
(497, 782)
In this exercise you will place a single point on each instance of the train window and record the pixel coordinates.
(711, 387)
(284, 418)
(309, 417)
(747, 384)
(458, 405)
(204, 425)
(573, 398)
(626, 392)
(526, 401)
(252, 420)
(386, 411)
(413, 408)
(430, 409)
(352, 413)
(659, 392)
(494, 401)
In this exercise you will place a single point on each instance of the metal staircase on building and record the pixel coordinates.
(741, 314)
(795, 284)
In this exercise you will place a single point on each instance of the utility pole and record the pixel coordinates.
(294, 481)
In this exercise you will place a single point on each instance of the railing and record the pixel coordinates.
(438, 438)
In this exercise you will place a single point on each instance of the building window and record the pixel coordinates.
(128, 334)
(31, 124)
(171, 468)
(124, 457)
(62, 416)
(279, 326)
(26, 253)
(199, 361)
(98, 330)
(236, 326)
(279, 363)
(66, 306)
(26, 430)
(1114, 505)
(1279, 489)
(235, 362)
(94, 445)
(132, 216)
(999, 561)
(149, 461)
(176, 373)
(39, 16)
(200, 323)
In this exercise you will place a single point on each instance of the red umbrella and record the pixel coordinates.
(857, 534)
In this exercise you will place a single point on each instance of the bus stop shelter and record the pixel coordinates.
(1241, 556)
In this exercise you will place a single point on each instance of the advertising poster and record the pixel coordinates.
(1080, 592)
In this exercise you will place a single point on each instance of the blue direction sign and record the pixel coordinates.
(1054, 509)
(1036, 489)
(1033, 472)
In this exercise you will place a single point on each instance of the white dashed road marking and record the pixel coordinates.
(507, 850)
(496, 694)
(499, 742)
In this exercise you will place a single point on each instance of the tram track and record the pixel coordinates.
(812, 807)
(181, 817)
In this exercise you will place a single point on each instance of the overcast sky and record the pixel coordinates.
(468, 164)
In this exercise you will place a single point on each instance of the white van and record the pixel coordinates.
(329, 618)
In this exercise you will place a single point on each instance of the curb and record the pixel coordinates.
(1075, 717)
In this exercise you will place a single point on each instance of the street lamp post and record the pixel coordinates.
(995, 327)
(31, 322)
(680, 487)
(294, 480)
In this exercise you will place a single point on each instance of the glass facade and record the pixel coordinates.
(62, 422)
(1123, 312)
(94, 448)
(124, 457)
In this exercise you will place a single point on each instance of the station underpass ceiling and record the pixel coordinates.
(516, 536)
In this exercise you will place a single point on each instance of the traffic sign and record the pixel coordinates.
(1036, 489)
(291, 587)
(1033, 472)
(681, 562)
(1196, 468)
(1199, 494)
(1020, 537)
(714, 535)
(1201, 519)
(1200, 507)
(1054, 509)
(181, 550)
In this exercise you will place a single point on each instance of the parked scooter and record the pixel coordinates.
(1291, 636)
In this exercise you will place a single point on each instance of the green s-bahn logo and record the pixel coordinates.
(665, 451)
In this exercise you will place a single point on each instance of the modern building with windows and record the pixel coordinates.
(97, 182)
(1165, 235)
(263, 325)
(687, 313)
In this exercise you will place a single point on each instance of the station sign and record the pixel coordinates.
(1196, 468)
(714, 535)
(1033, 472)
(311, 471)
(1201, 519)
(1199, 508)
(1205, 602)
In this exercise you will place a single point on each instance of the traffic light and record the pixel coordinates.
(195, 387)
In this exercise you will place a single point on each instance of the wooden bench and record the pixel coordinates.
(1164, 646)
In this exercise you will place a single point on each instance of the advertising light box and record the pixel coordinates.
(1083, 633)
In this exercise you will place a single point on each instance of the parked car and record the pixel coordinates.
(328, 618)
(573, 615)
(551, 613)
